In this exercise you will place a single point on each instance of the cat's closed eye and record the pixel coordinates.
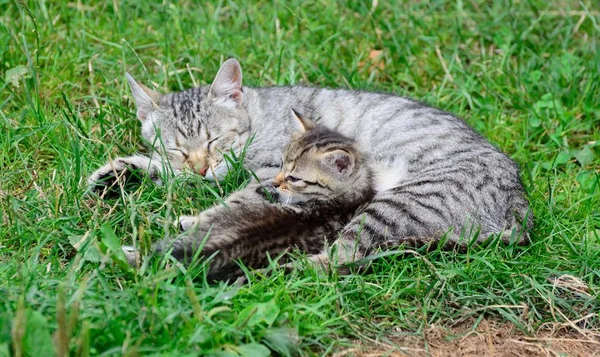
(211, 142)
(178, 151)
(207, 145)
(292, 179)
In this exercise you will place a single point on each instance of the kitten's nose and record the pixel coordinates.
(278, 180)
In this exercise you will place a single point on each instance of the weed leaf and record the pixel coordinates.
(37, 340)
(253, 350)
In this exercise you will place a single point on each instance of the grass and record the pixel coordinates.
(524, 73)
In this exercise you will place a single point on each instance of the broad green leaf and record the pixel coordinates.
(271, 312)
(535, 122)
(585, 156)
(254, 314)
(113, 244)
(253, 350)
(549, 102)
(544, 102)
(82, 244)
(587, 179)
(562, 158)
(535, 76)
(283, 340)
(37, 340)
(546, 165)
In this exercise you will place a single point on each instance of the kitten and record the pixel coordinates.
(434, 176)
(323, 181)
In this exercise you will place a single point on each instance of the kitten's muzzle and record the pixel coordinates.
(278, 181)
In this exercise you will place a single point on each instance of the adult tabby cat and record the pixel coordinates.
(433, 174)
(323, 182)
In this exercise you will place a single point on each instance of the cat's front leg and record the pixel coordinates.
(127, 171)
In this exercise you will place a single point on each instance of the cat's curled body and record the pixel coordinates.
(433, 174)
(324, 181)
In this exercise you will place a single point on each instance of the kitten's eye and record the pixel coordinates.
(292, 179)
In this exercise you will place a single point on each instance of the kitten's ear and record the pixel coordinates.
(227, 86)
(339, 161)
(301, 124)
(146, 100)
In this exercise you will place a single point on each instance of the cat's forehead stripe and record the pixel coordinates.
(185, 106)
(181, 131)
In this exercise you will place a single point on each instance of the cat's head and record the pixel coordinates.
(194, 128)
(321, 164)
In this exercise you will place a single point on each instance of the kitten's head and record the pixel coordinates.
(194, 128)
(321, 164)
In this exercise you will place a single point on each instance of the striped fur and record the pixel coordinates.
(434, 174)
(309, 208)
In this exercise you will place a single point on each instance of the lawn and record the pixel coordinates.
(525, 74)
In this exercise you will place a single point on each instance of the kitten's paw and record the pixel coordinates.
(132, 255)
(187, 222)
(318, 262)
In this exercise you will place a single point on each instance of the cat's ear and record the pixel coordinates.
(146, 100)
(227, 86)
(340, 162)
(301, 124)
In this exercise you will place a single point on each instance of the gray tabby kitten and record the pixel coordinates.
(433, 174)
(323, 181)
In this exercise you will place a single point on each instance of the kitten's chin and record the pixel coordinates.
(287, 198)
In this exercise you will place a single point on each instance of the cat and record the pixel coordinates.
(433, 175)
(323, 181)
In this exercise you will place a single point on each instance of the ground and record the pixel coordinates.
(525, 74)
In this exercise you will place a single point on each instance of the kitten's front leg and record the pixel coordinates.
(185, 223)
(251, 193)
(261, 189)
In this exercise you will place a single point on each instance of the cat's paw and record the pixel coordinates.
(185, 223)
(122, 172)
(108, 174)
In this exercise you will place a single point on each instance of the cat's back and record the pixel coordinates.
(354, 112)
(386, 126)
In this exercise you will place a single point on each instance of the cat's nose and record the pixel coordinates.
(203, 170)
(197, 161)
